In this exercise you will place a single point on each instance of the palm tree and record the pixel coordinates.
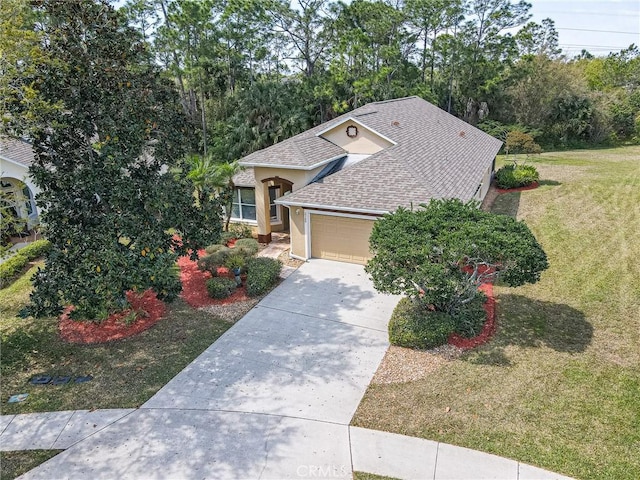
(211, 178)
(223, 181)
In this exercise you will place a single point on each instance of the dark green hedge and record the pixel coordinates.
(262, 274)
(220, 287)
(15, 264)
(412, 327)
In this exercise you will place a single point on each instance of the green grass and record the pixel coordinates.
(14, 464)
(370, 476)
(126, 372)
(559, 385)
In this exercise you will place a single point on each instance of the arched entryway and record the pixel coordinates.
(17, 201)
(275, 217)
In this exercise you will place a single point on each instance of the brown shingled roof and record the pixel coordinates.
(244, 178)
(304, 151)
(15, 150)
(436, 155)
(378, 184)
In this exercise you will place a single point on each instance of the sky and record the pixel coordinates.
(599, 26)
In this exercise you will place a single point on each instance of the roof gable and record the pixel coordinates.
(302, 152)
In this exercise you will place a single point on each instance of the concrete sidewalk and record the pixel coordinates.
(271, 399)
(220, 445)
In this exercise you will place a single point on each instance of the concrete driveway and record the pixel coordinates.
(272, 398)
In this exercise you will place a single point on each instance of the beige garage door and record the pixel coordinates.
(340, 238)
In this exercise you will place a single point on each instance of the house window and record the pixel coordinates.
(274, 210)
(244, 204)
(28, 200)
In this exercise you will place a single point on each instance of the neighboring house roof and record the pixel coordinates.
(435, 155)
(16, 151)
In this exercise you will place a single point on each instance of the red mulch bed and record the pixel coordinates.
(194, 292)
(194, 285)
(533, 186)
(113, 328)
(488, 329)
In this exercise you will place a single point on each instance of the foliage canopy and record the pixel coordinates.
(106, 154)
(439, 254)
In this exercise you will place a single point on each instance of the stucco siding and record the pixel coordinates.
(365, 142)
(486, 183)
(297, 232)
(299, 178)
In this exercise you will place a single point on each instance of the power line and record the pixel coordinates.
(599, 14)
(589, 46)
(600, 31)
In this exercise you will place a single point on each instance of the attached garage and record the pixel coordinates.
(343, 239)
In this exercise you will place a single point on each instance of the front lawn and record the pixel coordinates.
(559, 386)
(14, 464)
(126, 372)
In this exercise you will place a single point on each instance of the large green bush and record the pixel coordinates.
(440, 253)
(262, 274)
(220, 287)
(412, 326)
(515, 176)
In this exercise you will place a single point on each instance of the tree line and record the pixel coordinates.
(253, 72)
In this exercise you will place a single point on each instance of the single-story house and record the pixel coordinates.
(15, 158)
(328, 185)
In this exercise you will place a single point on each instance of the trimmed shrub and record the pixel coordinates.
(226, 237)
(526, 174)
(247, 247)
(515, 176)
(215, 248)
(236, 231)
(471, 317)
(211, 262)
(412, 327)
(262, 274)
(14, 265)
(240, 230)
(35, 249)
(11, 267)
(220, 287)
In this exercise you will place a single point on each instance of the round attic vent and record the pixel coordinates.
(395, 123)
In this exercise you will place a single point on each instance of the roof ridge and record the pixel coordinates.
(394, 100)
